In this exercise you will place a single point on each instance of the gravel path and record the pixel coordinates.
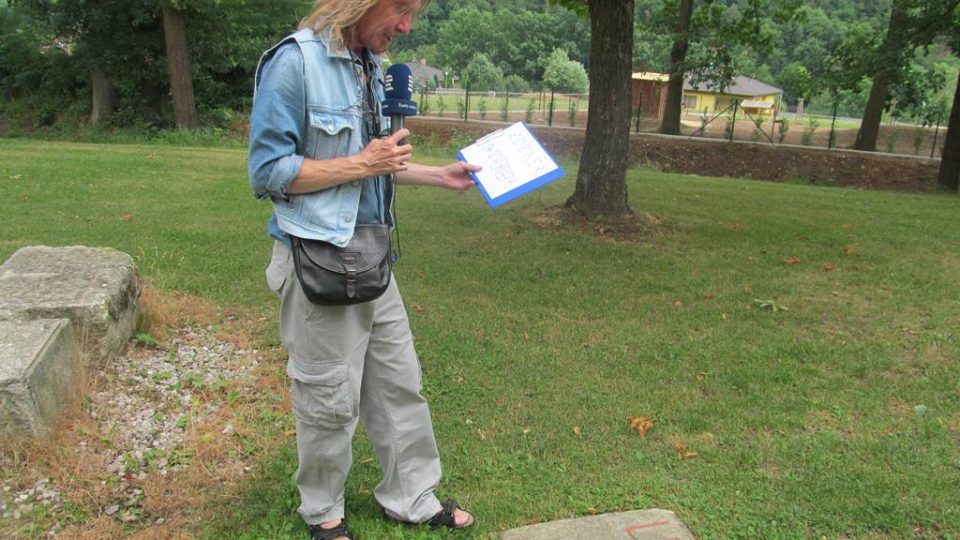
(144, 402)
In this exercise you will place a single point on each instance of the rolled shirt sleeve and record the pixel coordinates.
(277, 124)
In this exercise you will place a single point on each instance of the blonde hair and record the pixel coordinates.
(341, 17)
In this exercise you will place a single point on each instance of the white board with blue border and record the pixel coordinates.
(514, 163)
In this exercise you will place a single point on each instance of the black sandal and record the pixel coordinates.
(319, 533)
(445, 517)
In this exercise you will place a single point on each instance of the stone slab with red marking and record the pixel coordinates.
(653, 524)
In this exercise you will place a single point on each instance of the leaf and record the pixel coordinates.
(770, 304)
(792, 261)
(682, 451)
(418, 308)
(577, 431)
(829, 267)
(851, 250)
(640, 424)
(128, 217)
(920, 410)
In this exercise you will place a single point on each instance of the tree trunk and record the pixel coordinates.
(949, 176)
(101, 96)
(887, 63)
(178, 64)
(872, 115)
(602, 181)
(670, 125)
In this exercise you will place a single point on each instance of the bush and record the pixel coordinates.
(892, 140)
(919, 134)
(783, 127)
(757, 128)
(424, 104)
(812, 124)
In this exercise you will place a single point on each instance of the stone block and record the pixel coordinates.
(653, 524)
(96, 288)
(38, 373)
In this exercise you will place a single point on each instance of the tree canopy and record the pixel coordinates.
(51, 50)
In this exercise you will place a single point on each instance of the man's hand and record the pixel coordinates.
(456, 176)
(386, 156)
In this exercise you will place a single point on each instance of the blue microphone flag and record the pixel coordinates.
(398, 92)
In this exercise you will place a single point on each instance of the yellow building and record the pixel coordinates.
(755, 97)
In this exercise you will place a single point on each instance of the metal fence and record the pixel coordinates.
(548, 108)
(733, 123)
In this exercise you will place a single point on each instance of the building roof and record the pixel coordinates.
(650, 76)
(421, 71)
(757, 104)
(741, 86)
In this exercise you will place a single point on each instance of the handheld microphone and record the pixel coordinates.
(398, 91)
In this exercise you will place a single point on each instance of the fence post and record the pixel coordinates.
(773, 125)
(506, 106)
(466, 99)
(733, 123)
(639, 111)
(933, 149)
(833, 123)
(550, 115)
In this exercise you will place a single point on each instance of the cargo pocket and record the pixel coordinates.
(326, 400)
(278, 268)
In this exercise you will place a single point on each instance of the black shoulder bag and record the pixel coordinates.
(340, 276)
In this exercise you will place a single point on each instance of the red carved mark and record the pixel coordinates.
(633, 528)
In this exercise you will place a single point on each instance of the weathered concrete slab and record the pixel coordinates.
(38, 367)
(96, 288)
(654, 524)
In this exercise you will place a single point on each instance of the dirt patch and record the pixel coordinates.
(711, 155)
(631, 228)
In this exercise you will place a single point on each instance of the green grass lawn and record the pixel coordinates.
(802, 341)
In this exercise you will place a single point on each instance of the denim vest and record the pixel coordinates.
(334, 128)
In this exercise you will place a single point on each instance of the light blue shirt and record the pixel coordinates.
(309, 103)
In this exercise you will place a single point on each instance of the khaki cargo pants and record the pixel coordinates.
(348, 363)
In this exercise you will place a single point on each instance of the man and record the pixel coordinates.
(317, 154)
